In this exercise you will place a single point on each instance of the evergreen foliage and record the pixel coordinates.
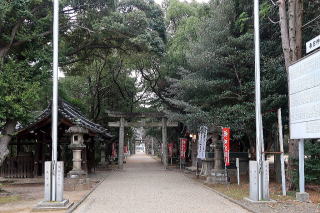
(312, 162)
(213, 80)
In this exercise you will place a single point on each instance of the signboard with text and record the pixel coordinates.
(304, 93)
(183, 147)
(313, 44)
(226, 145)
(202, 142)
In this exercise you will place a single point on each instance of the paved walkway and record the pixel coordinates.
(145, 187)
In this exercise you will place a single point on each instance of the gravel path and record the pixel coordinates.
(145, 187)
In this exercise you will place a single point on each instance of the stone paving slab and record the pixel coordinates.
(144, 187)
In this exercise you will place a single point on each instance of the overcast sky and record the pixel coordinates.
(160, 1)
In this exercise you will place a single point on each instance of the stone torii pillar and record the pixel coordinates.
(121, 142)
(164, 143)
(122, 123)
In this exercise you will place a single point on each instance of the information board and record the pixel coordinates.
(304, 92)
(202, 142)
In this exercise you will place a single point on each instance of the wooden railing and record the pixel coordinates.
(17, 167)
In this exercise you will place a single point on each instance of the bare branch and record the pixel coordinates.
(311, 21)
(273, 22)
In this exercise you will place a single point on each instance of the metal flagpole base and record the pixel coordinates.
(254, 181)
(59, 203)
(52, 205)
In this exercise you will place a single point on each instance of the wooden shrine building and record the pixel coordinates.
(31, 145)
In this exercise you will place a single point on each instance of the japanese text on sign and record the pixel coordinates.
(313, 44)
(226, 145)
(202, 142)
(183, 147)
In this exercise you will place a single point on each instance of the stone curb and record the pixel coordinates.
(76, 205)
(224, 196)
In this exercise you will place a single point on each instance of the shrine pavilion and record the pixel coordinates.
(31, 145)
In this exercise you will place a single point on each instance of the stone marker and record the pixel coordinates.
(47, 181)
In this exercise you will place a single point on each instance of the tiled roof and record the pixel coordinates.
(73, 115)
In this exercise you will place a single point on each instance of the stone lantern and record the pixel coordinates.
(77, 145)
(218, 173)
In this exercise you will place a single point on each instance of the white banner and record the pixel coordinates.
(202, 142)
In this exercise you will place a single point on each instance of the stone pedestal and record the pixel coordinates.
(77, 184)
(77, 171)
(218, 174)
(302, 196)
(206, 167)
(52, 206)
(217, 177)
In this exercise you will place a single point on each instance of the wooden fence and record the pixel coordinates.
(18, 167)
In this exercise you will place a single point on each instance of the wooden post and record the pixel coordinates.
(164, 143)
(283, 175)
(121, 142)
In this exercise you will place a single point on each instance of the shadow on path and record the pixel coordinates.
(143, 186)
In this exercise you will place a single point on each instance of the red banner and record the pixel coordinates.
(183, 147)
(114, 151)
(170, 148)
(226, 145)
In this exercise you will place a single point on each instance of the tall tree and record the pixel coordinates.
(24, 35)
(211, 75)
(85, 27)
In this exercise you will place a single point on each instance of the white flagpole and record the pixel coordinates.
(259, 133)
(55, 98)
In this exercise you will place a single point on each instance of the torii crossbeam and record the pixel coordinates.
(123, 123)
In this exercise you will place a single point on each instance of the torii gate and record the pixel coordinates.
(123, 123)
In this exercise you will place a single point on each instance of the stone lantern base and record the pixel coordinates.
(77, 184)
(77, 180)
(73, 174)
(207, 165)
(218, 176)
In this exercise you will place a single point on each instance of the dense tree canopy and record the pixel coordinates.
(193, 60)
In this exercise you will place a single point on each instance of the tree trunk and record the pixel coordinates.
(291, 37)
(292, 29)
(5, 138)
(299, 19)
(284, 32)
